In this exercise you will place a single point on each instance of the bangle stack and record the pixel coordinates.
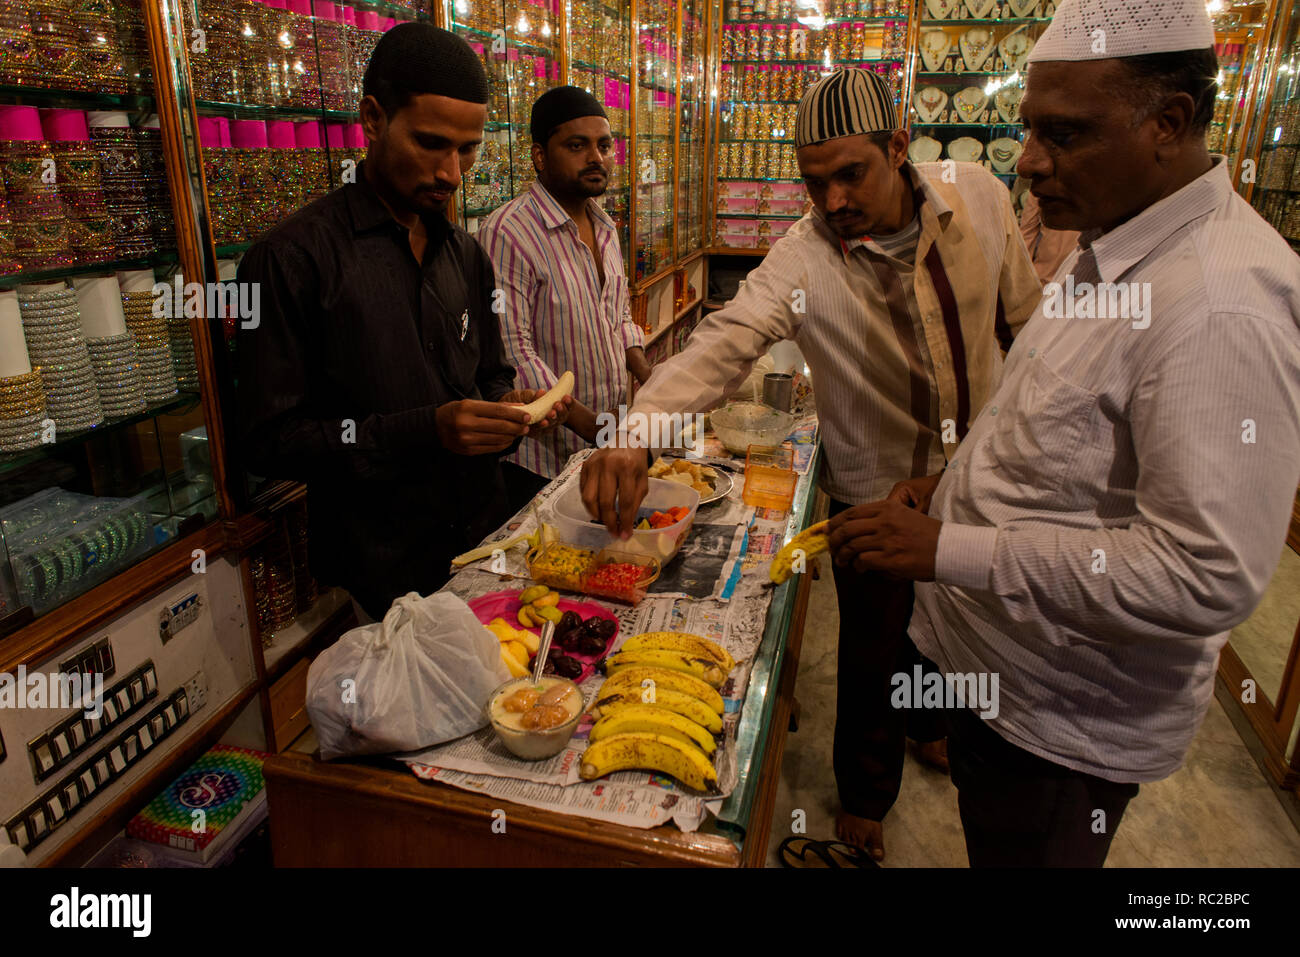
(153, 348)
(22, 409)
(52, 328)
(117, 374)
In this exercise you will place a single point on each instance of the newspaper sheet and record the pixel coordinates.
(735, 616)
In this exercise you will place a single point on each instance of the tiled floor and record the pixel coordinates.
(1218, 810)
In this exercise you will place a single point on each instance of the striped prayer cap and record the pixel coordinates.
(846, 103)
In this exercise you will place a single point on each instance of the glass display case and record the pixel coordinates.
(968, 80)
(655, 117)
(599, 42)
(104, 455)
(692, 126)
(520, 45)
(770, 51)
(277, 88)
(1273, 142)
(1239, 34)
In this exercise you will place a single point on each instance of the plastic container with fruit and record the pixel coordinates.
(571, 521)
(535, 720)
(620, 576)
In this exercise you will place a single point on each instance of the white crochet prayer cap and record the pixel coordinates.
(1103, 29)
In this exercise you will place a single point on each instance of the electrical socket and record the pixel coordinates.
(196, 691)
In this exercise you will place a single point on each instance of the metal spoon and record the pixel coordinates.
(539, 663)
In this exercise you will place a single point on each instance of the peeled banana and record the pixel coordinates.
(654, 720)
(706, 669)
(676, 701)
(696, 645)
(653, 752)
(812, 541)
(633, 680)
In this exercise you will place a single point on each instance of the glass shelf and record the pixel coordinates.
(85, 269)
(830, 21)
(854, 61)
(958, 74)
(1002, 21)
(12, 461)
(596, 68)
(257, 111)
(77, 99)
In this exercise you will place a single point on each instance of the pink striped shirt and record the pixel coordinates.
(557, 317)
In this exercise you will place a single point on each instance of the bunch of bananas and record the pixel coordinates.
(659, 709)
(812, 541)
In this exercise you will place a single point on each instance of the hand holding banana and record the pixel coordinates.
(886, 537)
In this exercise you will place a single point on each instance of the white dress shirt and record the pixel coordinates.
(1122, 500)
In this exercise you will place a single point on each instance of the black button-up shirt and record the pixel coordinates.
(356, 346)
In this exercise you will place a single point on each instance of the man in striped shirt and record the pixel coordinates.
(893, 289)
(563, 293)
(1121, 503)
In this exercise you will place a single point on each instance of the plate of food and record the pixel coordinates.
(584, 631)
(712, 484)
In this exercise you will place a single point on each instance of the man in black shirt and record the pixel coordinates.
(376, 372)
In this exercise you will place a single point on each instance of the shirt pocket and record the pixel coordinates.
(1039, 430)
(457, 344)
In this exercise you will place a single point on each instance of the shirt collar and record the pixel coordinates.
(934, 212)
(553, 214)
(368, 211)
(1124, 246)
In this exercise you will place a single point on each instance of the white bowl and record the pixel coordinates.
(743, 424)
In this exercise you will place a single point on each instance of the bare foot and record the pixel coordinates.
(934, 754)
(861, 832)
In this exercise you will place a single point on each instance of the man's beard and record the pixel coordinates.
(581, 186)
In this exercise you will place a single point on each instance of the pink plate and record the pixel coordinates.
(505, 604)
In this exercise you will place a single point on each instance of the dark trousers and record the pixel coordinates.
(1020, 810)
(522, 485)
(870, 734)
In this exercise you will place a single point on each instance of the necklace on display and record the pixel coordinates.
(1022, 8)
(1008, 103)
(1005, 153)
(941, 9)
(935, 45)
(969, 102)
(924, 149)
(1015, 47)
(929, 103)
(980, 9)
(966, 149)
(976, 48)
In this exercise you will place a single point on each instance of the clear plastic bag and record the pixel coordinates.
(416, 679)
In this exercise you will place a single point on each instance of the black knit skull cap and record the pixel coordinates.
(418, 57)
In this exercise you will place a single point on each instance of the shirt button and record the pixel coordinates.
(1032, 353)
(429, 345)
(993, 410)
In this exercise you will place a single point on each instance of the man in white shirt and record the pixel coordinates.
(1122, 500)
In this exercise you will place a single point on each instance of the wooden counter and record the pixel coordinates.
(374, 813)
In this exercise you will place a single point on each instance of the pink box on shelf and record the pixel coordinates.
(742, 227)
(789, 191)
(779, 227)
(737, 205)
(738, 241)
(738, 189)
(786, 207)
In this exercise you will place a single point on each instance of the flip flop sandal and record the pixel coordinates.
(825, 854)
(853, 856)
